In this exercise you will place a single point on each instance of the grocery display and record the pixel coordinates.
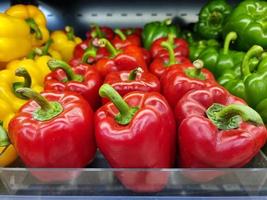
(168, 107)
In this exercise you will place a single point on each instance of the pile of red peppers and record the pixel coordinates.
(142, 108)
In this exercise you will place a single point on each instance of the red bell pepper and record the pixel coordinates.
(127, 58)
(137, 131)
(89, 55)
(176, 82)
(53, 130)
(136, 31)
(80, 48)
(100, 32)
(126, 37)
(179, 46)
(122, 39)
(125, 82)
(82, 79)
(161, 64)
(217, 130)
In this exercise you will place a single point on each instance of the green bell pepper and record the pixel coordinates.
(155, 30)
(220, 60)
(248, 20)
(197, 47)
(212, 18)
(251, 84)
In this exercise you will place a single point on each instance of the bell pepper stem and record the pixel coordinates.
(216, 17)
(97, 32)
(41, 51)
(54, 64)
(167, 22)
(22, 72)
(129, 31)
(254, 51)
(47, 110)
(126, 112)
(230, 116)
(46, 47)
(196, 71)
(103, 42)
(34, 28)
(70, 33)
(4, 140)
(89, 52)
(120, 34)
(133, 73)
(169, 46)
(229, 38)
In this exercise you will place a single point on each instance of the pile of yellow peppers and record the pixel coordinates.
(26, 45)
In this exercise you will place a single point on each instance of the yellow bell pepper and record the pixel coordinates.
(35, 19)
(64, 42)
(45, 50)
(31, 74)
(15, 39)
(7, 151)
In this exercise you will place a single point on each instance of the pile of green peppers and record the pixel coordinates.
(231, 43)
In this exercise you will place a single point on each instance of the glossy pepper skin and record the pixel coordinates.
(217, 130)
(124, 39)
(44, 50)
(13, 78)
(236, 84)
(155, 30)
(220, 60)
(57, 127)
(82, 79)
(197, 47)
(212, 18)
(7, 151)
(179, 45)
(248, 21)
(163, 63)
(64, 42)
(100, 32)
(176, 82)
(88, 52)
(127, 58)
(14, 31)
(141, 127)
(35, 19)
(125, 82)
(37, 69)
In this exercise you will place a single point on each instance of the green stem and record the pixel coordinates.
(129, 31)
(133, 73)
(216, 18)
(196, 72)
(47, 110)
(4, 140)
(97, 32)
(46, 47)
(120, 34)
(169, 46)
(229, 38)
(254, 51)
(34, 28)
(54, 64)
(22, 72)
(126, 112)
(70, 33)
(229, 117)
(166, 22)
(103, 42)
(91, 51)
